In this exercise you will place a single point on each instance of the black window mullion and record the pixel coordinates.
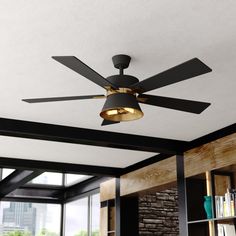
(62, 222)
(89, 215)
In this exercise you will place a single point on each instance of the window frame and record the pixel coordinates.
(89, 209)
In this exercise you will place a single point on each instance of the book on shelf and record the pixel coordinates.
(220, 229)
(226, 230)
(225, 205)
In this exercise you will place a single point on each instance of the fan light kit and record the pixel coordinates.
(125, 92)
(121, 107)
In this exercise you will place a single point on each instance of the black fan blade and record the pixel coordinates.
(109, 122)
(78, 66)
(59, 99)
(174, 103)
(186, 70)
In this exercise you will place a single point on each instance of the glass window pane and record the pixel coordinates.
(77, 218)
(48, 178)
(73, 178)
(6, 172)
(95, 214)
(29, 219)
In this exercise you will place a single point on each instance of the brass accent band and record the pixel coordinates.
(99, 97)
(120, 90)
(142, 99)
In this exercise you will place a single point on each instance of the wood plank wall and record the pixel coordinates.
(214, 155)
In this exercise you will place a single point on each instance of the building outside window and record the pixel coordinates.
(81, 217)
(29, 219)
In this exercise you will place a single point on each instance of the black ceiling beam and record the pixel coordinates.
(73, 192)
(55, 194)
(17, 179)
(32, 199)
(211, 136)
(60, 167)
(228, 130)
(59, 133)
(146, 162)
(36, 192)
(42, 186)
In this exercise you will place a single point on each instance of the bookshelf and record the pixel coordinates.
(210, 156)
(219, 185)
(111, 219)
(108, 212)
(213, 219)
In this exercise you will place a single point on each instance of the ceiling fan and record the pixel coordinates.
(125, 92)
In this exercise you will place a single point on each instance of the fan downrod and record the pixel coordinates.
(121, 62)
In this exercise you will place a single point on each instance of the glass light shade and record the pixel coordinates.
(121, 107)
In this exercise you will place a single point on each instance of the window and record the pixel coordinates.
(77, 218)
(48, 178)
(52, 178)
(6, 172)
(29, 219)
(83, 216)
(73, 178)
(95, 215)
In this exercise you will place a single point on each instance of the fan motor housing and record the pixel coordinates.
(122, 81)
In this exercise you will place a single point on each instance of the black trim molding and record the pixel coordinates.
(59, 133)
(194, 143)
(59, 167)
(86, 187)
(167, 147)
(212, 136)
(16, 179)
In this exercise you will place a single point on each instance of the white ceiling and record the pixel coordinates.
(157, 34)
(71, 153)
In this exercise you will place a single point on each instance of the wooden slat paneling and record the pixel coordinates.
(214, 155)
(107, 190)
(149, 177)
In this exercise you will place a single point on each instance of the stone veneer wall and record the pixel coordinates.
(158, 214)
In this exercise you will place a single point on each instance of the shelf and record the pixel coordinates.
(213, 219)
(112, 231)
